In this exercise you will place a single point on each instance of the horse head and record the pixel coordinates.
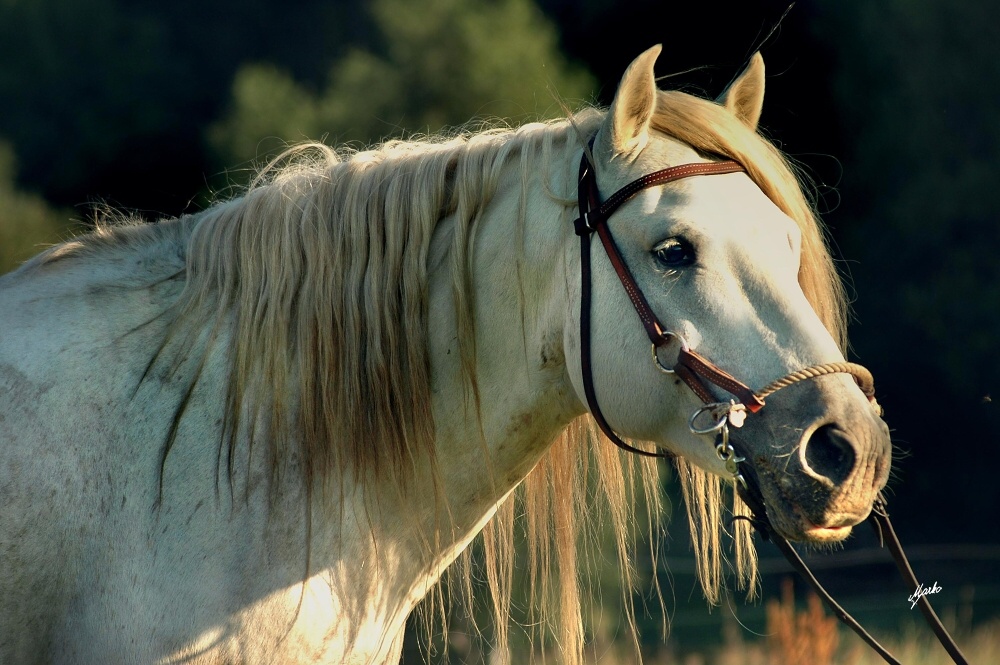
(738, 272)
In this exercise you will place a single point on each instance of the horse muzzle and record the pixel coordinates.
(819, 455)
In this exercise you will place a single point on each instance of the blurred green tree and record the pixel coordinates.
(440, 63)
(109, 98)
(27, 222)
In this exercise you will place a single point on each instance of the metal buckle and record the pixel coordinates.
(732, 412)
(728, 455)
(723, 414)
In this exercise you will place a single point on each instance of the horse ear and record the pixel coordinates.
(745, 96)
(633, 107)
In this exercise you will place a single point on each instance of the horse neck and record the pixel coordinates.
(486, 446)
(404, 537)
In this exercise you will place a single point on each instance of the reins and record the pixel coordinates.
(696, 370)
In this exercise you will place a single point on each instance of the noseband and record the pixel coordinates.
(696, 370)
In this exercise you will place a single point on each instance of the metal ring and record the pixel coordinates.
(708, 430)
(656, 358)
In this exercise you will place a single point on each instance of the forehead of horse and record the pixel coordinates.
(714, 204)
(726, 210)
(729, 206)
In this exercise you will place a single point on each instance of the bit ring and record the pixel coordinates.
(656, 359)
(708, 408)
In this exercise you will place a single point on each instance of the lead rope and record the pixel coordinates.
(760, 521)
(879, 520)
(749, 491)
(692, 368)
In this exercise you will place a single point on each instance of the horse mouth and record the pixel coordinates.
(804, 508)
(793, 525)
(821, 534)
(828, 520)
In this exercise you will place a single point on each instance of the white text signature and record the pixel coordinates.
(921, 592)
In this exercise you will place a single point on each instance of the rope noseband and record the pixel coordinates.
(696, 370)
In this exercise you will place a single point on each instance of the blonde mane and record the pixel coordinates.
(321, 271)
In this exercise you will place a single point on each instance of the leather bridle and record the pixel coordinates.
(696, 370)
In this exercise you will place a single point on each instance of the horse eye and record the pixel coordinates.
(674, 253)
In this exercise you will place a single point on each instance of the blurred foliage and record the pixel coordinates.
(109, 99)
(79, 84)
(442, 62)
(27, 222)
(797, 637)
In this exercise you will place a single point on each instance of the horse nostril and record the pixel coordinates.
(829, 453)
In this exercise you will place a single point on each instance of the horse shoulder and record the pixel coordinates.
(75, 339)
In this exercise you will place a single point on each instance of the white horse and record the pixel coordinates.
(262, 432)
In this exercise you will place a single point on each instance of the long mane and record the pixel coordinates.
(321, 270)
(323, 264)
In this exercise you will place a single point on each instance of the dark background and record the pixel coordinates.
(891, 108)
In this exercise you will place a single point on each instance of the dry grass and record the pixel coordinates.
(916, 645)
(811, 636)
